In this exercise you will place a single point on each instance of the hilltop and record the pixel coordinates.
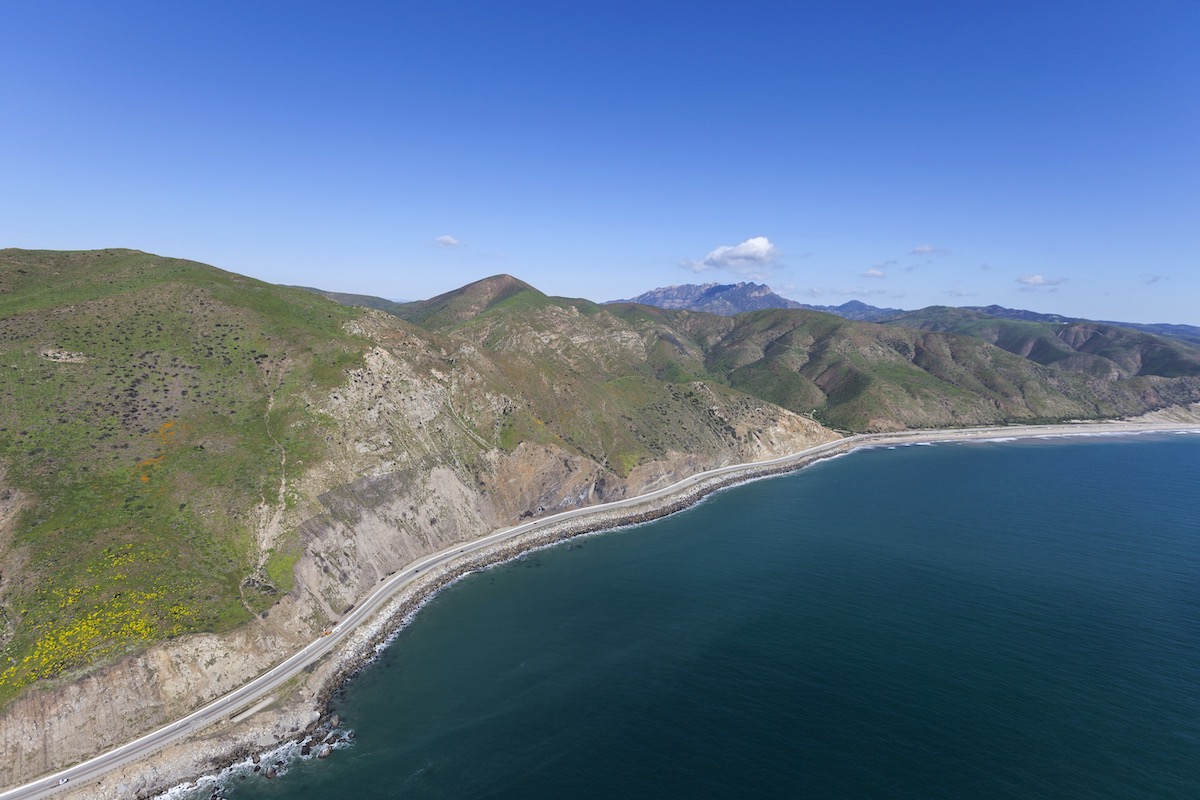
(714, 298)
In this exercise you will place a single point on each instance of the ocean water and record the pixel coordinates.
(983, 620)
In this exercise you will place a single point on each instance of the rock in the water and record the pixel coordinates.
(324, 751)
(271, 772)
(305, 750)
(334, 720)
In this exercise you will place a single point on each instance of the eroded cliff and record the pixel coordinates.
(414, 462)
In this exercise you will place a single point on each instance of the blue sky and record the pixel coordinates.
(1041, 155)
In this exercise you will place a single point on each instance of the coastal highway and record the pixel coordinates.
(244, 697)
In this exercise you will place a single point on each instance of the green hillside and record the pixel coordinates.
(861, 376)
(937, 367)
(586, 380)
(143, 405)
(638, 360)
(1097, 348)
(361, 300)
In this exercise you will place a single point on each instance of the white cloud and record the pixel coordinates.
(750, 259)
(929, 250)
(446, 241)
(1038, 281)
(959, 293)
(873, 272)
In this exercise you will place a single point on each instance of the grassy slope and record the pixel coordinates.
(861, 376)
(1093, 347)
(133, 417)
(851, 375)
(588, 380)
(362, 300)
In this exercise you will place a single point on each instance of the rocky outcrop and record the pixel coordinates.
(45, 730)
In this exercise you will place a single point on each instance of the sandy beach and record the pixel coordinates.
(287, 716)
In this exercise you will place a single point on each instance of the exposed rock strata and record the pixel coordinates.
(414, 465)
(294, 719)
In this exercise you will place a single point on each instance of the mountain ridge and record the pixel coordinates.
(732, 299)
(714, 298)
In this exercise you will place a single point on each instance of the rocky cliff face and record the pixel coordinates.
(414, 462)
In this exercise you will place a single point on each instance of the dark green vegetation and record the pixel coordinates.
(360, 300)
(1102, 349)
(143, 404)
(1185, 333)
(731, 299)
(967, 369)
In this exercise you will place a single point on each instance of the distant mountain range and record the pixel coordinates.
(737, 298)
(1187, 333)
(728, 299)
(714, 298)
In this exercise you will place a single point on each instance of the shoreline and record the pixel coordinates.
(401, 610)
(363, 645)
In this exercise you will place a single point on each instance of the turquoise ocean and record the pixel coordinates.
(962, 620)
